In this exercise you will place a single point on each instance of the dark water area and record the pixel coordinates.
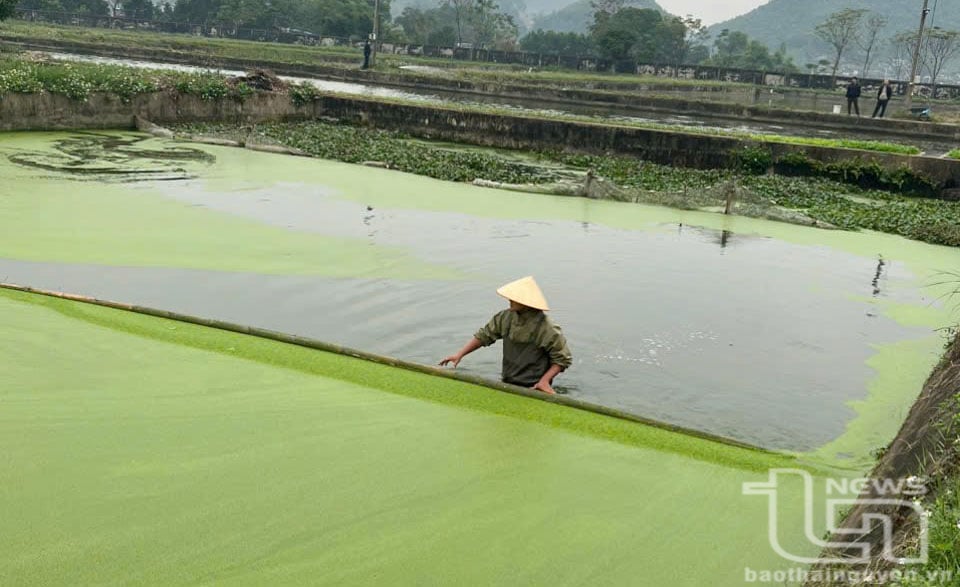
(731, 334)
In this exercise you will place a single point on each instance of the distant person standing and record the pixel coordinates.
(853, 96)
(367, 50)
(883, 98)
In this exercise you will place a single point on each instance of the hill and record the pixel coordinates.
(792, 22)
(577, 17)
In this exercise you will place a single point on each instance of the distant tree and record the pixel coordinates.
(670, 41)
(541, 41)
(939, 47)
(196, 11)
(681, 40)
(736, 49)
(452, 22)
(142, 9)
(608, 7)
(696, 35)
(839, 31)
(492, 28)
(603, 11)
(444, 36)
(418, 25)
(461, 12)
(42, 5)
(7, 9)
(85, 7)
(902, 47)
(631, 33)
(867, 39)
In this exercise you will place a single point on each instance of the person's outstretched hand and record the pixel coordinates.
(452, 360)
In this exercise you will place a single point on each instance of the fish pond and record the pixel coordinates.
(786, 337)
(142, 450)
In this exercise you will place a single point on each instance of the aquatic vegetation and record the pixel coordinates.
(79, 80)
(170, 476)
(303, 93)
(359, 145)
(824, 199)
(866, 174)
(103, 157)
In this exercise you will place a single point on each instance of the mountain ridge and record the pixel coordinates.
(792, 22)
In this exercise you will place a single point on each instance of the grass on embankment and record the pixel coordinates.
(944, 536)
(841, 205)
(79, 80)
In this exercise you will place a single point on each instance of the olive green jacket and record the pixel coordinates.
(531, 343)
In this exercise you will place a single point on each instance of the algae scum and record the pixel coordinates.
(194, 456)
(102, 156)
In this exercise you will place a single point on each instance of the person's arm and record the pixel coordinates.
(486, 336)
(555, 343)
(468, 348)
(546, 382)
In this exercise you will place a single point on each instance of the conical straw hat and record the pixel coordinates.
(525, 291)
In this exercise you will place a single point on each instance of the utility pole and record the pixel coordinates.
(916, 55)
(376, 32)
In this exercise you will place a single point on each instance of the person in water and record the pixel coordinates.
(534, 348)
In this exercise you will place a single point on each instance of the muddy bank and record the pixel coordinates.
(45, 111)
(926, 448)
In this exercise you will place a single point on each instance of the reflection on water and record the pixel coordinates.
(876, 278)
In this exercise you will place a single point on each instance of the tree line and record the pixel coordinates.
(621, 33)
(853, 33)
(618, 34)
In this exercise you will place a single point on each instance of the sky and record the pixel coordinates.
(710, 11)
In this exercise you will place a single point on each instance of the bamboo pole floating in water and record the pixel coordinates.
(389, 361)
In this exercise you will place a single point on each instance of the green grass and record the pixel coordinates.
(944, 535)
(954, 154)
(79, 80)
(879, 146)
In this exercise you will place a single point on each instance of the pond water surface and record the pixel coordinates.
(788, 337)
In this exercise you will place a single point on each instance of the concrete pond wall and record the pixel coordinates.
(46, 111)
(725, 102)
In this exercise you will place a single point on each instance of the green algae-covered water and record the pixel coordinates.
(143, 451)
(787, 337)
